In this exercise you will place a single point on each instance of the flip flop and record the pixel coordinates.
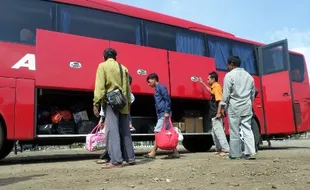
(250, 157)
(102, 161)
(223, 154)
(172, 156)
(148, 156)
(110, 166)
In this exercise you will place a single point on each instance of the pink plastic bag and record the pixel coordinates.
(95, 140)
(167, 138)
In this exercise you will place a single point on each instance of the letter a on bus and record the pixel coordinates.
(29, 61)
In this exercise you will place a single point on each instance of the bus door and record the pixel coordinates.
(276, 88)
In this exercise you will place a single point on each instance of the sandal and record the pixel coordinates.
(223, 154)
(250, 157)
(102, 161)
(217, 153)
(149, 156)
(110, 166)
(171, 156)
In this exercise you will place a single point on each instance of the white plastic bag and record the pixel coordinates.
(180, 138)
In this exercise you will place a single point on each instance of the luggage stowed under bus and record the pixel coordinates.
(64, 121)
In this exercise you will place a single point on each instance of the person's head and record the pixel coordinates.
(109, 53)
(26, 35)
(152, 79)
(233, 62)
(213, 77)
(130, 79)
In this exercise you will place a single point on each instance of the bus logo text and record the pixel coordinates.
(29, 61)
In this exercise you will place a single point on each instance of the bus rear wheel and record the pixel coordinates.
(197, 143)
(256, 133)
(6, 146)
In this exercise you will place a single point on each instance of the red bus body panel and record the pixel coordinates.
(7, 104)
(25, 109)
(182, 68)
(55, 51)
(148, 59)
(278, 108)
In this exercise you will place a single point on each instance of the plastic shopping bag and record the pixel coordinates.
(180, 138)
(167, 138)
(95, 140)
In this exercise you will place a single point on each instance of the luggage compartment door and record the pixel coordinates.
(185, 69)
(67, 61)
(140, 62)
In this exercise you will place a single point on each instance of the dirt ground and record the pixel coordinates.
(286, 165)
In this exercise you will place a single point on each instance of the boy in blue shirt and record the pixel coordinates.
(163, 110)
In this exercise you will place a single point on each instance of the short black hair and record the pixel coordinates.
(152, 76)
(214, 75)
(109, 53)
(130, 79)
(235, 61)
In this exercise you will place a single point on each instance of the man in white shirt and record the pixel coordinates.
(238, 97)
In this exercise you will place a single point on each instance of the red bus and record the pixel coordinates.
(50, 50)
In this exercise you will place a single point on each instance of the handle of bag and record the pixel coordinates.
(167, 124)
(96, 129)
(121, 73)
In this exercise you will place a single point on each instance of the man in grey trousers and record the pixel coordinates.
(110, 76)
(238, 97)
(216, 114)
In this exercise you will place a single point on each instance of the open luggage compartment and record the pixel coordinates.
(63, 113)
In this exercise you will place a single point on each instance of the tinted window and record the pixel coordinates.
(173, 38)
(219, 49)
(273, 60)
(190, 42)
(160, 36)
(99, 24)
(19, 19)
(297, 67)
(246, 54)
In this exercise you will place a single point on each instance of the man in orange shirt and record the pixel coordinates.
(216, 114)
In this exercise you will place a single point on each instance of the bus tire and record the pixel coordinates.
(197, 143)
(6, 146)
(256, 133)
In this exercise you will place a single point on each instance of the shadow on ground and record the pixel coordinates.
(12, 180)
(54, 158)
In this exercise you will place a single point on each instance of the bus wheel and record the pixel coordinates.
(256, 133)
(5, 145)
(197, 143)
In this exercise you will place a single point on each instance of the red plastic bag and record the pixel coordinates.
(167, 138)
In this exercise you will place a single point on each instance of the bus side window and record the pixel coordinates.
(273, 61)
(19, 20)
(174, 39)
(219, 49)
(160, 36)
(246, 54)
(297, 67)
(99, 24)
